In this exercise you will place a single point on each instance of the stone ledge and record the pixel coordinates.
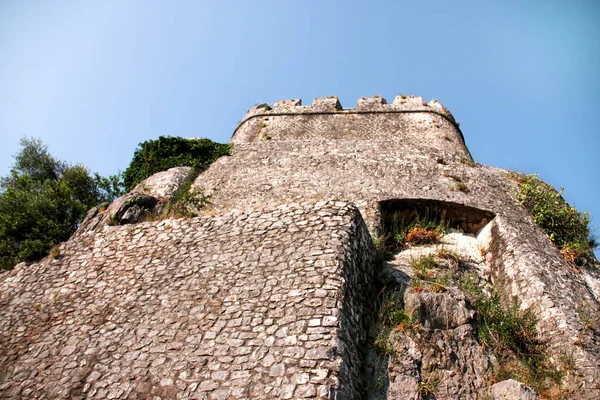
(332, 104)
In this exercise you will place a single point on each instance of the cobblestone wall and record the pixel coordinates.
(266, 304)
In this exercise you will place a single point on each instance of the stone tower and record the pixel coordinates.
(272, 291)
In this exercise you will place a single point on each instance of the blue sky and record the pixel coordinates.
(95, 78)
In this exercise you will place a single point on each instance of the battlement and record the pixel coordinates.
(428, 127)
(331, 104)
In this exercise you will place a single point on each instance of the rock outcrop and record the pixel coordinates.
(149, 197)
(511, 389)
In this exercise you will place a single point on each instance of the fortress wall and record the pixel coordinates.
(363, 172)
(530, 271)
(526, 266)
(265, 304)
(409, 121)
(262, 297)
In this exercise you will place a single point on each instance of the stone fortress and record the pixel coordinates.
(271, 291)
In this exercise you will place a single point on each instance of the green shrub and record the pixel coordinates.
(167, 152)
(566, 227)
(501, 326)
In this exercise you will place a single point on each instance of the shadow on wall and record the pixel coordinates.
(468, 219)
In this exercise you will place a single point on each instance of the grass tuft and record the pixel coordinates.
(400, 230)
(392, 316)
(427, 387)
(55, 252)
(512, 335)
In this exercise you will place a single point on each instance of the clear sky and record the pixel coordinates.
(95, 78)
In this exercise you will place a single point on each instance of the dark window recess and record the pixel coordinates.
(457, 216)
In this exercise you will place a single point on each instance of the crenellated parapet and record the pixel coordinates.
(331, 104)
(409, 119)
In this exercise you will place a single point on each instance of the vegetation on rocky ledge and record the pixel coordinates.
(43, 199)
(567, 228)
(166, 152)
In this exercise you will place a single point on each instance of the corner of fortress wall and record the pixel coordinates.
(270, 292)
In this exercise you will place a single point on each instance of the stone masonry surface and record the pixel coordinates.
(268, 293)
(415, 155)
(243, 305)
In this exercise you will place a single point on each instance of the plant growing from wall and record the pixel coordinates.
(391, 316)
(167, 152)
(512, 335)
(428, 275)
(186, 202)
(468, 162)
(567, 228)
(401, 230)
(427, 387)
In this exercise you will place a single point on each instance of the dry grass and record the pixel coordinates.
(572, 256)
(55, 252)
(437, 288)
(462, 187)
(419, 236)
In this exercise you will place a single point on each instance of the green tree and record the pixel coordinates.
(167, 152)
(43, 200)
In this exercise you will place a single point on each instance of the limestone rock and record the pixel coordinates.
(404, 368)
(446, 310)
(512, 390)
(130, 208)
(165, 184)
(149, 197)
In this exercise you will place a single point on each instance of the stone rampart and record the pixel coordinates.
(266, 304)
(332, 159)
(408, 120)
